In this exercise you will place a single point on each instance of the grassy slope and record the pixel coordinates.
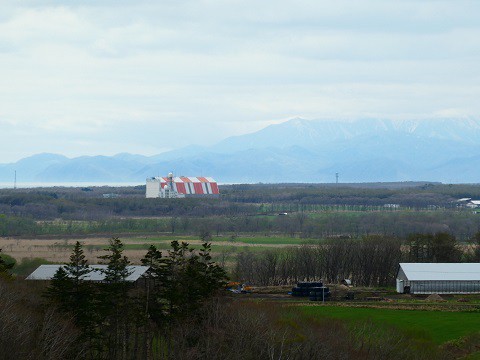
(436, 325)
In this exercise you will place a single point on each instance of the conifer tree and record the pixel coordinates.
(78, 267)
(117, 309)
(182, 280)
(69, 290)
(116, 272)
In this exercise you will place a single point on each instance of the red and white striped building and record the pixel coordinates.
(175, 187)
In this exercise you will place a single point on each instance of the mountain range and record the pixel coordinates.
(298, 150)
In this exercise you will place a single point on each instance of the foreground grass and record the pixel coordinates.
(437, 326)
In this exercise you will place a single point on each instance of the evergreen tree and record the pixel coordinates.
(156, 284)
(118, 310)
(60, 289)
(182, 280)
(72, 294)
(117, 263)
(78, 267)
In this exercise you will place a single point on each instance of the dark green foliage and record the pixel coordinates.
(28, 265)
(440, 247)
(73, 295)
(182, 281)
(118, 311)
(60, 291)
(116, 271)
(5, 266)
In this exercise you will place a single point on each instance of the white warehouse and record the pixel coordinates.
(438, 278)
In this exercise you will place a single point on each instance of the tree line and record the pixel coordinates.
(120, 319)
(463, 224)
(89, 203)
(370, 261)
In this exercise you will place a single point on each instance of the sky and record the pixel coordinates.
(105, 77)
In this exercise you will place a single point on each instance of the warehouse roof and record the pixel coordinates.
(441, 271)
(46, 272)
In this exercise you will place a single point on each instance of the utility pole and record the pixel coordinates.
(15, 181)
(336, 177)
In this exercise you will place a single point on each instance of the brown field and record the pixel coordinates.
(59, 250)
(51, 250)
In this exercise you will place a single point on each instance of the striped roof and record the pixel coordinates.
(192, 185)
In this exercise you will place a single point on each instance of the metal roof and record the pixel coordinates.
(46, 272)
(441, 271)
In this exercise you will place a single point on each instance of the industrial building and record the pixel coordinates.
(438, 278)
(180, 187)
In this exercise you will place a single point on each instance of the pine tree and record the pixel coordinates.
(60, 291)
(159, 273)
(182, 280)
(72, 294)
(78, 267)
(117, 309)
(116, 272)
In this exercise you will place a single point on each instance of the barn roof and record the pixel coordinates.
(46, 272)
(441, 271)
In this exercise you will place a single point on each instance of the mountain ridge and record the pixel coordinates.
(297, 150)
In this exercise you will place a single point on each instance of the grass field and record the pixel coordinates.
(58, 250)
(437, 326)
(249, 240)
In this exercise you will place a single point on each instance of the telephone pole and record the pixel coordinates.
(15, 181)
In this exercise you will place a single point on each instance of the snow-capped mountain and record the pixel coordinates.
(297, 150)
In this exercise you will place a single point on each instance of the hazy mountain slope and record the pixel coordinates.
(294, 151)
(28, 168)
(87, 168)
(267, 165)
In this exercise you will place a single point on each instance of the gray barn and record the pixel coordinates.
(47, 272)
(438, 278)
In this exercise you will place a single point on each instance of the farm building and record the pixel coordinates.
(468, 203)
(438, 278)
(47, 272)
(179, 187)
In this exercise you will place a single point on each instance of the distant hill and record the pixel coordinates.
(298, 150)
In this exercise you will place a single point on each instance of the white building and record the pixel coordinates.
(438, 278)
(468, 202)
(179, 187)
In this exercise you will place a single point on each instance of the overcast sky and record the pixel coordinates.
(103, 77)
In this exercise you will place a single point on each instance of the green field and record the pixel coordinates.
(250, 240)
(264, 240)
(438, 326)
(215, 248)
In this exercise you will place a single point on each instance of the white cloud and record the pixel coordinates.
(133, 76)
